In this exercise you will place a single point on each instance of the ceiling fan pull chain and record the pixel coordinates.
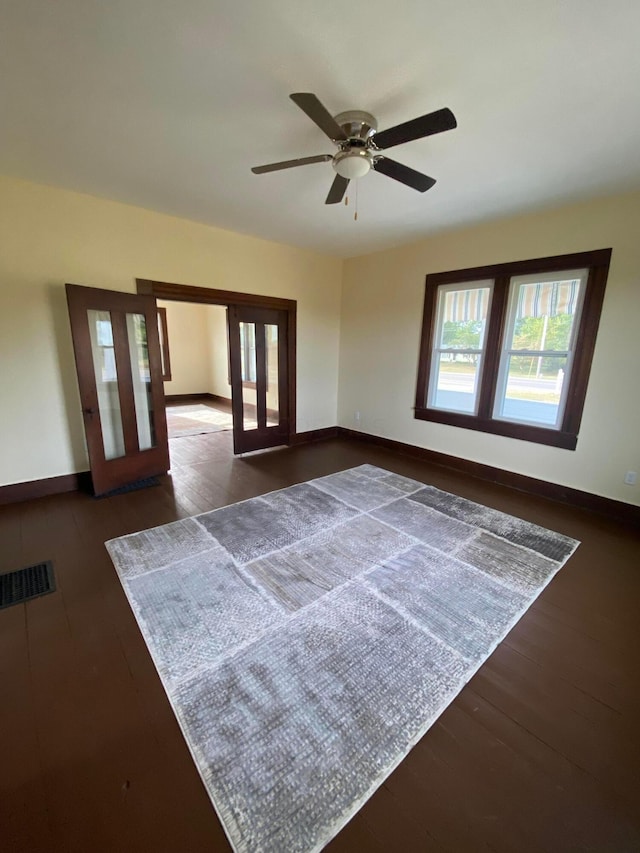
(355, 215)
(346, 200)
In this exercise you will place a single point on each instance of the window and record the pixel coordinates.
(507, 349)
(459, 346)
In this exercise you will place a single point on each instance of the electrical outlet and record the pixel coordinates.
(631, 478)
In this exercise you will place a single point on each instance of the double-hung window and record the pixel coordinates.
(459, 346)
(543, 318)
(507, 348)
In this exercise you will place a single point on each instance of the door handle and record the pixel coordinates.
(88, 411)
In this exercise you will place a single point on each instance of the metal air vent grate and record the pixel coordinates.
(24, 584)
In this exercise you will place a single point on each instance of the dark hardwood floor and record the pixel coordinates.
(540, 752)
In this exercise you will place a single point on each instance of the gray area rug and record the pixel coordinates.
(308, 638)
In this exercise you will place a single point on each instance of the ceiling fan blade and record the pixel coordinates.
(318, 113)
(413, 179)
(289, 164)
(338, 189)
(417, 128)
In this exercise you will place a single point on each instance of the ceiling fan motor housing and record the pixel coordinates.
(355, 159)
(357, 124)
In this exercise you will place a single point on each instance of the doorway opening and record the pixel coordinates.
(239, 349)
(122, 362)
(197, 383)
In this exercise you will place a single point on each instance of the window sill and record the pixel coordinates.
(524, 432)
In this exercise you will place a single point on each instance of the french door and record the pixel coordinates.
(258, 348)
(119, 366)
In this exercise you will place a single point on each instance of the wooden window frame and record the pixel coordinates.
(164, 344)
(566, 436)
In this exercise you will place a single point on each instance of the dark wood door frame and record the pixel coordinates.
(211, 296)
(263, 434)
(132, 463)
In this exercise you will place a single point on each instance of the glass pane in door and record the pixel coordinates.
(106, 374)
(249, 372)
(141, 376)
(271, 352)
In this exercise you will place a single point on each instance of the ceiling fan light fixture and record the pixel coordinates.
(352, 164)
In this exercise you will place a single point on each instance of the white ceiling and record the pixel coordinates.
(167, 104)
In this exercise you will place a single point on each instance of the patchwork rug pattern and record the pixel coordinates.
(308, 638)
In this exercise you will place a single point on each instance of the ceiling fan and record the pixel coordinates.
(356, 135)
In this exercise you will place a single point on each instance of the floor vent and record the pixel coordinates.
(19, 586)
(130, 487)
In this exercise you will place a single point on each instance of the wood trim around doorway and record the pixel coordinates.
(211, 296)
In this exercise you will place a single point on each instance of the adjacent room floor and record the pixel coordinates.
(538, 753)
(197, 417)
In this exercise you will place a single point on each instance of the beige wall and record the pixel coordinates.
(50, 236)
(189, 348)
(380, 328)
(197, 348)
(218, 350)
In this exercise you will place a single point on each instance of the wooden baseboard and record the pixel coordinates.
(314, 435)
(618, 510)
(194, 398)
(219, 399)
(190, 398)
(18, 492)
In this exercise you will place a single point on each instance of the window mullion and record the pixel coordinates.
(493, 344)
